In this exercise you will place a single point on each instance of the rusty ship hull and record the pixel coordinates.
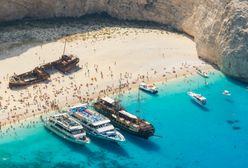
(39, 74)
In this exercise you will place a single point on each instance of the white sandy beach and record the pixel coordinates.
(106, 55)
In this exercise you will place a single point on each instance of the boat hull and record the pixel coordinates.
(149, 91)
(49, 127)
(193, 98)
(198, 102)
(103, 137)
(91, 132)
(142, 134)
(203, 75)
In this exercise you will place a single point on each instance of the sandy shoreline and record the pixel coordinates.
(106, 56)
(15, 119)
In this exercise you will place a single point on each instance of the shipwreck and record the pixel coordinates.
(41, 73)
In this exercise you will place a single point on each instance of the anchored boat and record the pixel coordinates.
(226, 93)
(96, 124)
(66, 127)
(122, 119)
(148, 88)
(202, 73)
(198, 98)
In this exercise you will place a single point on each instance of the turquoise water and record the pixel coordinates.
(188, 136)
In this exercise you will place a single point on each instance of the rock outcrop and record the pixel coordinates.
(219, 27)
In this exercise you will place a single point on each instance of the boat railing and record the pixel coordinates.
(90, 115)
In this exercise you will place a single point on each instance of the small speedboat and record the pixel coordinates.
(202, 73)
(198, 98)
(148, 88)
(226, 93)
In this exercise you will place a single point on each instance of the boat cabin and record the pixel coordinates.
(111, 103)
(127, 116)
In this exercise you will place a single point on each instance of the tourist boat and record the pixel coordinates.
(96, 124)
(67, 127)
(148, 88)
(202, 73)
(198, 98)
(226, 93)
(122, 119)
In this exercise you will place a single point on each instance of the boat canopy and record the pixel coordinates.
(79, 106)
(105, 128)
(101, 122)
(149, 86)
(66, 121)
(200, 97)
(142, 83)
(128, 114)
(108, 100)
(83, 113)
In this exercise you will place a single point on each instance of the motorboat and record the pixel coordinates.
(96, 124)
(226, 93)
(198, 98)
(66, 127)
(150, 88)
(202, 73)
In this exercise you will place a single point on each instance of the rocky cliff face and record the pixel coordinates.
(219, 27)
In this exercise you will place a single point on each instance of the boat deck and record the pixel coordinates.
(67, 121)
(91, 116)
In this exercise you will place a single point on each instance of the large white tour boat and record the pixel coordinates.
(96, 124)
(67, 127)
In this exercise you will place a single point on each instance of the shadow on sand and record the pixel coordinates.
(30, 33)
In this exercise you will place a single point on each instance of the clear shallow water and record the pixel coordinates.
(191, 136)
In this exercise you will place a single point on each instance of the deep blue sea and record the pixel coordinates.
(188, 136)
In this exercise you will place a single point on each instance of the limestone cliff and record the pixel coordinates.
(219, 27)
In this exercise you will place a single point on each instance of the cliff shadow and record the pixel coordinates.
(16, 37)
(237, 82)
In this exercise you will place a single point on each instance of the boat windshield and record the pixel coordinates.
(109, 133)
(75, 132)
(102, 125)
(201, 98)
